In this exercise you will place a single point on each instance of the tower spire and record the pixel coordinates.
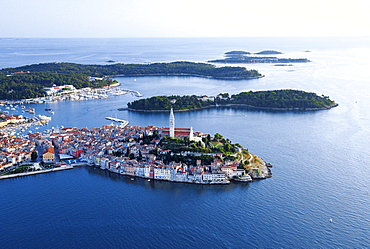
(172, 124)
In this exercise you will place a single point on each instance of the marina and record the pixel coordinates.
(77, 95)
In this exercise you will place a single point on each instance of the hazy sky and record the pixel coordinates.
(185, 18)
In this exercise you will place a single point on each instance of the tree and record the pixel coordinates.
(218, 136)
(34, 156)
(140, 156)
(227, 147)
(187, 141)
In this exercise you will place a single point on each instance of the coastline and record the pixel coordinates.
(184, 74)
(165, 180)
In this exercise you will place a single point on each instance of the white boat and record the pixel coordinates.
(136, 93)
(31, 110)
(44, 119)
(118, 92)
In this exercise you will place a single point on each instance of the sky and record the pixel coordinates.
(185, 18)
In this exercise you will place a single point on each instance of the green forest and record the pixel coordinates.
(216, 144)
(277, 99)
(29, 81)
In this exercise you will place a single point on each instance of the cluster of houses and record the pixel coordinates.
(20, 72)
(45, 147)
(107, 148)
(206, 98)
(14, 150)
(10, 119)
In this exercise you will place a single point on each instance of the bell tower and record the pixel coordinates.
(172, 124)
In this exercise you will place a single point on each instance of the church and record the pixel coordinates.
(177, 132)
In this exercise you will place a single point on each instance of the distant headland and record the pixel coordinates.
(29, 81)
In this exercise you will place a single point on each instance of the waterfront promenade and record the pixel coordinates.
(36, 172)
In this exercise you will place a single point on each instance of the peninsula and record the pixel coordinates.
(146, 152)
(285, 100)
(29, 81)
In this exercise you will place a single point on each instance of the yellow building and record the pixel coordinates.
(48, 157)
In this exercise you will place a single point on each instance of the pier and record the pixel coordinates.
(123, 123)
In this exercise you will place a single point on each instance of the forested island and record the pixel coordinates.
(243, 57)
(269, 100)
(239, 52)
(29, 81)
(269, 52)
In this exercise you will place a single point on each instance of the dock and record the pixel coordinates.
(123, 123)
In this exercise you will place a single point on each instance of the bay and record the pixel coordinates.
(320, 158)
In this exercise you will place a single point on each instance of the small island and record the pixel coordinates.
(240, 52)
(243, 57)
(283, 100)
(29, 81)
(230, 53)
(269, 52)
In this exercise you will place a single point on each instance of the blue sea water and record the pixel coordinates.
(320, 159)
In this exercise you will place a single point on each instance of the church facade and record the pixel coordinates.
(177, 132)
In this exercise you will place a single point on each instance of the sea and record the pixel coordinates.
(318, 196)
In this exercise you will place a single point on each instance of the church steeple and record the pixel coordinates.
(172, 124)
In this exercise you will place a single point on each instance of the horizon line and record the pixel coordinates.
(179, 37)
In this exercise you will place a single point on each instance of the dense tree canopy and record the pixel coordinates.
(278, 99)
(216, 145)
